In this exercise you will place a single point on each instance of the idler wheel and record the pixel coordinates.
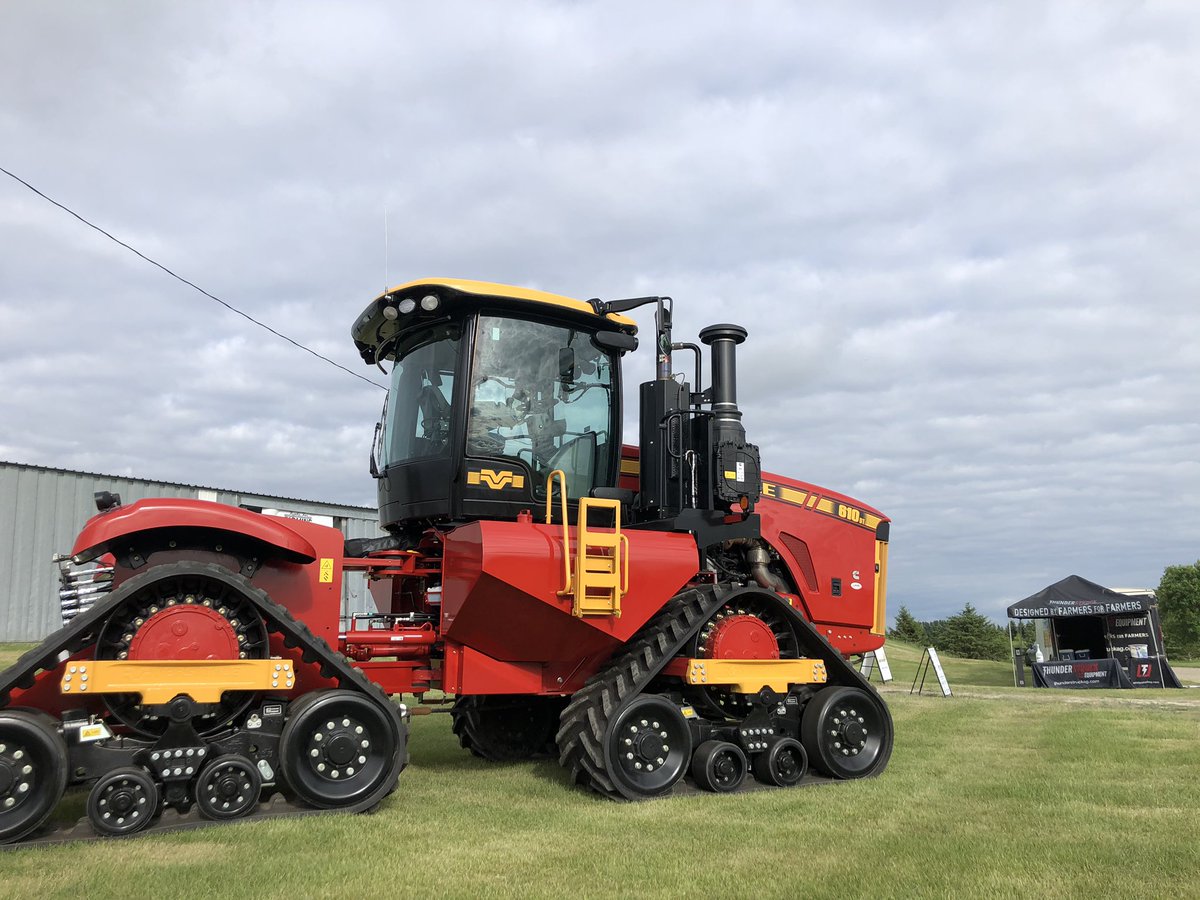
(647, 747)
(719, 766)
(847, 732)
(33, 771)
(228, 788)
(123, 802)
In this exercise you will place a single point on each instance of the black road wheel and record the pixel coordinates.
(228, 787)
(33, 771)
(719, 766)
(123, 802)
(783, 764)
(506, 728)
(337, 748)
(847, 732)
(647, 747)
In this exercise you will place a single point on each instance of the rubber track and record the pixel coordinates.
(85, 628)
(604, 695)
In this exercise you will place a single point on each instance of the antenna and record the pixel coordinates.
(386, 282)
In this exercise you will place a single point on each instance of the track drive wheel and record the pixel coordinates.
(123, 802)
(33, 771)
(337, 748)
(647, 747)
(783, 764)
(753, 625)
(506, 728)
(228, 787)
(183, 610)
(847, 732)
(719, 766)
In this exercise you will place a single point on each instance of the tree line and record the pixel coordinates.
(974, 636)
(970, 634)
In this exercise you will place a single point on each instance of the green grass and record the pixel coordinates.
(905, 659)
(10, 652)
(957, 813)
(995, 791)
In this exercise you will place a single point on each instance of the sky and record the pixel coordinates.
(962, 238)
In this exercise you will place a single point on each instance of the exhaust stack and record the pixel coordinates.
(736, 471)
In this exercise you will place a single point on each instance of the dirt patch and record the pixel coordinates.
(1187, 673)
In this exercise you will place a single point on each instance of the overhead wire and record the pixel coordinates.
(194, 286)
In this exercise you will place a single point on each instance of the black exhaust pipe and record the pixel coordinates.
(737, 477)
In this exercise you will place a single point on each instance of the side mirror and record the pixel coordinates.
(566, 365)
(615, 340)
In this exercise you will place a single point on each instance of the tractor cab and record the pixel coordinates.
(493, 388)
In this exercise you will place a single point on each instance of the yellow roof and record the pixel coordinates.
(491, 289)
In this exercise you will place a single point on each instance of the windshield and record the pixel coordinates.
(418, 419)
(542, 394)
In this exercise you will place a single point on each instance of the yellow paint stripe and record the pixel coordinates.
(791, 495)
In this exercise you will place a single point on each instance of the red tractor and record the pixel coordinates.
(647, 614)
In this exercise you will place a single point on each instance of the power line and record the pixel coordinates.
(190, 284)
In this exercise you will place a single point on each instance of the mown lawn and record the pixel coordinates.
(995, 791)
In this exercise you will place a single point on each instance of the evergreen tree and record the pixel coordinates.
(908, 628)
(1179, 606)
(935, 632)
(973, 636)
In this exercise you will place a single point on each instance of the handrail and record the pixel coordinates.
(562, 478)
(624, 562)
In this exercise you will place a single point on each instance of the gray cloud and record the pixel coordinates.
(962, 240)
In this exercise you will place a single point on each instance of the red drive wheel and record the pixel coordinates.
(750, 627)
(183, 611)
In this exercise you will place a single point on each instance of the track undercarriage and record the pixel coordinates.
(634, 731)
(200, 755)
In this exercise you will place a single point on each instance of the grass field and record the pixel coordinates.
(993, 792)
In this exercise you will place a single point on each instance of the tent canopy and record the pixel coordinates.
(1075, 596)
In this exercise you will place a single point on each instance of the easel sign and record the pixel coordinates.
(872, 659)
(930, 657)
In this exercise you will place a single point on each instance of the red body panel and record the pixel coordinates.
(819, 546)
(501, 582)
(151, 514)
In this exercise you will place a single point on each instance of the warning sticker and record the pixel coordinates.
(326, 571)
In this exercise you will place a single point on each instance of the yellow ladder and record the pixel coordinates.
(601, 571)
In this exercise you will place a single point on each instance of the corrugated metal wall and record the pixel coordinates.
(42, 510)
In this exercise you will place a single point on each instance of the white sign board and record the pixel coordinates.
(885, 671)
(937, 667)
(870, 660)
(867, 669)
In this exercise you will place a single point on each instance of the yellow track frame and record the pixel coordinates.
(162, 680)
(748, 676)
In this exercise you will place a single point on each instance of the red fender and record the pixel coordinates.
(101, 531)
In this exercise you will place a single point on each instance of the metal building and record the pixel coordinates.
(42, 510)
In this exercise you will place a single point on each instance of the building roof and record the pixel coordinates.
(189, 486)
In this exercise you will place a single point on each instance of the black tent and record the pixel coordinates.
(1102, 637)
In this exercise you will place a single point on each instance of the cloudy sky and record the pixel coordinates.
(963, 240)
